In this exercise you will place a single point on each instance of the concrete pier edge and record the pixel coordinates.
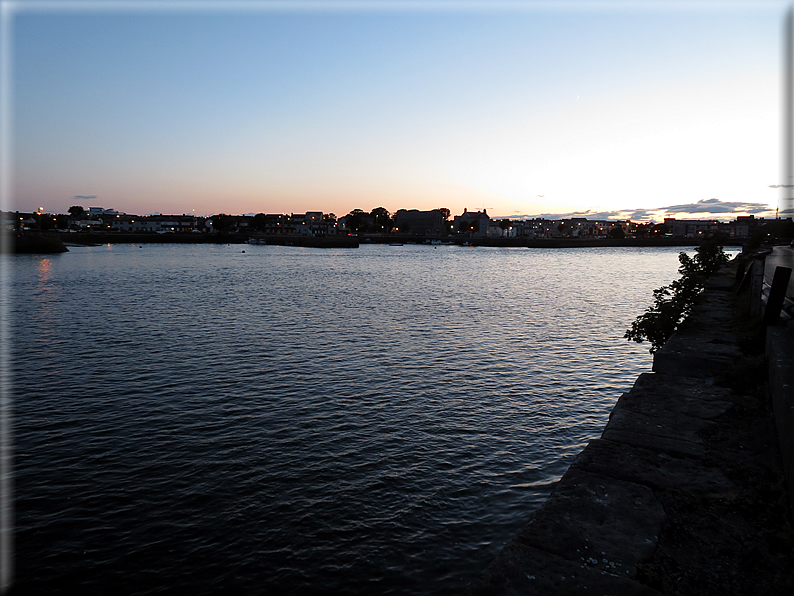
(685, 490)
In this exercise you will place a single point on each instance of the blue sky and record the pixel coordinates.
(528, 108)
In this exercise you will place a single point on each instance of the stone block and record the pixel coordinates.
(673, 434)
(654, 394)
(522, 569)
(600, 522)
(694, 354)
(654, 469)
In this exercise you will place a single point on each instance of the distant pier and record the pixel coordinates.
(351, 241)
(33, 243)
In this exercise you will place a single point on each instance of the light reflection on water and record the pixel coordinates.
(300, 420)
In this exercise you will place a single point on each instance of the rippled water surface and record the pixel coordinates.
(199, 419)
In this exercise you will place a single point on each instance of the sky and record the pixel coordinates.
(634, 109)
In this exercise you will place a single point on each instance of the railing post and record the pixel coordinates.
(777, 294)
(757, 285)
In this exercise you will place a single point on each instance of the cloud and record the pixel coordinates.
(83, 197)
(591, 215)
(623, 214)
(641, 214)
(717, 206)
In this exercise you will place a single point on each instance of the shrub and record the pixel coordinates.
(674, 302)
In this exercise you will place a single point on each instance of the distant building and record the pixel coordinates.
(273, 224)
(691, 228)
(535, 228)
(745, 225)
(316, 224)
(162, 224)
(580, 227)
(495, 230)
(311, 223)
(11, 220)
(473, 223)
(420, 223)
(94, 211)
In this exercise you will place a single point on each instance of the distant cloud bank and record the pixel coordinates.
(703, 209)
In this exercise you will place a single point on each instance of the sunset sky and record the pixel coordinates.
(633, 109)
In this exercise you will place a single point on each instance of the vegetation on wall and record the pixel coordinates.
(672, 303)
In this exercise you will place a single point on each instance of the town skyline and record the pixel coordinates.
(706, 209)
(629, 110)
(379, 219)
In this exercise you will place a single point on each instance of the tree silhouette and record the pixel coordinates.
(355, 220)
(223, 222)
(383, 221)
(260, 222)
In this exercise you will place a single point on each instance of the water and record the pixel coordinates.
(199, 419)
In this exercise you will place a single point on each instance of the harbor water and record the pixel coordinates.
(278, 420)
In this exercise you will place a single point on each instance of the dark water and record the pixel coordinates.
(195, 419)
